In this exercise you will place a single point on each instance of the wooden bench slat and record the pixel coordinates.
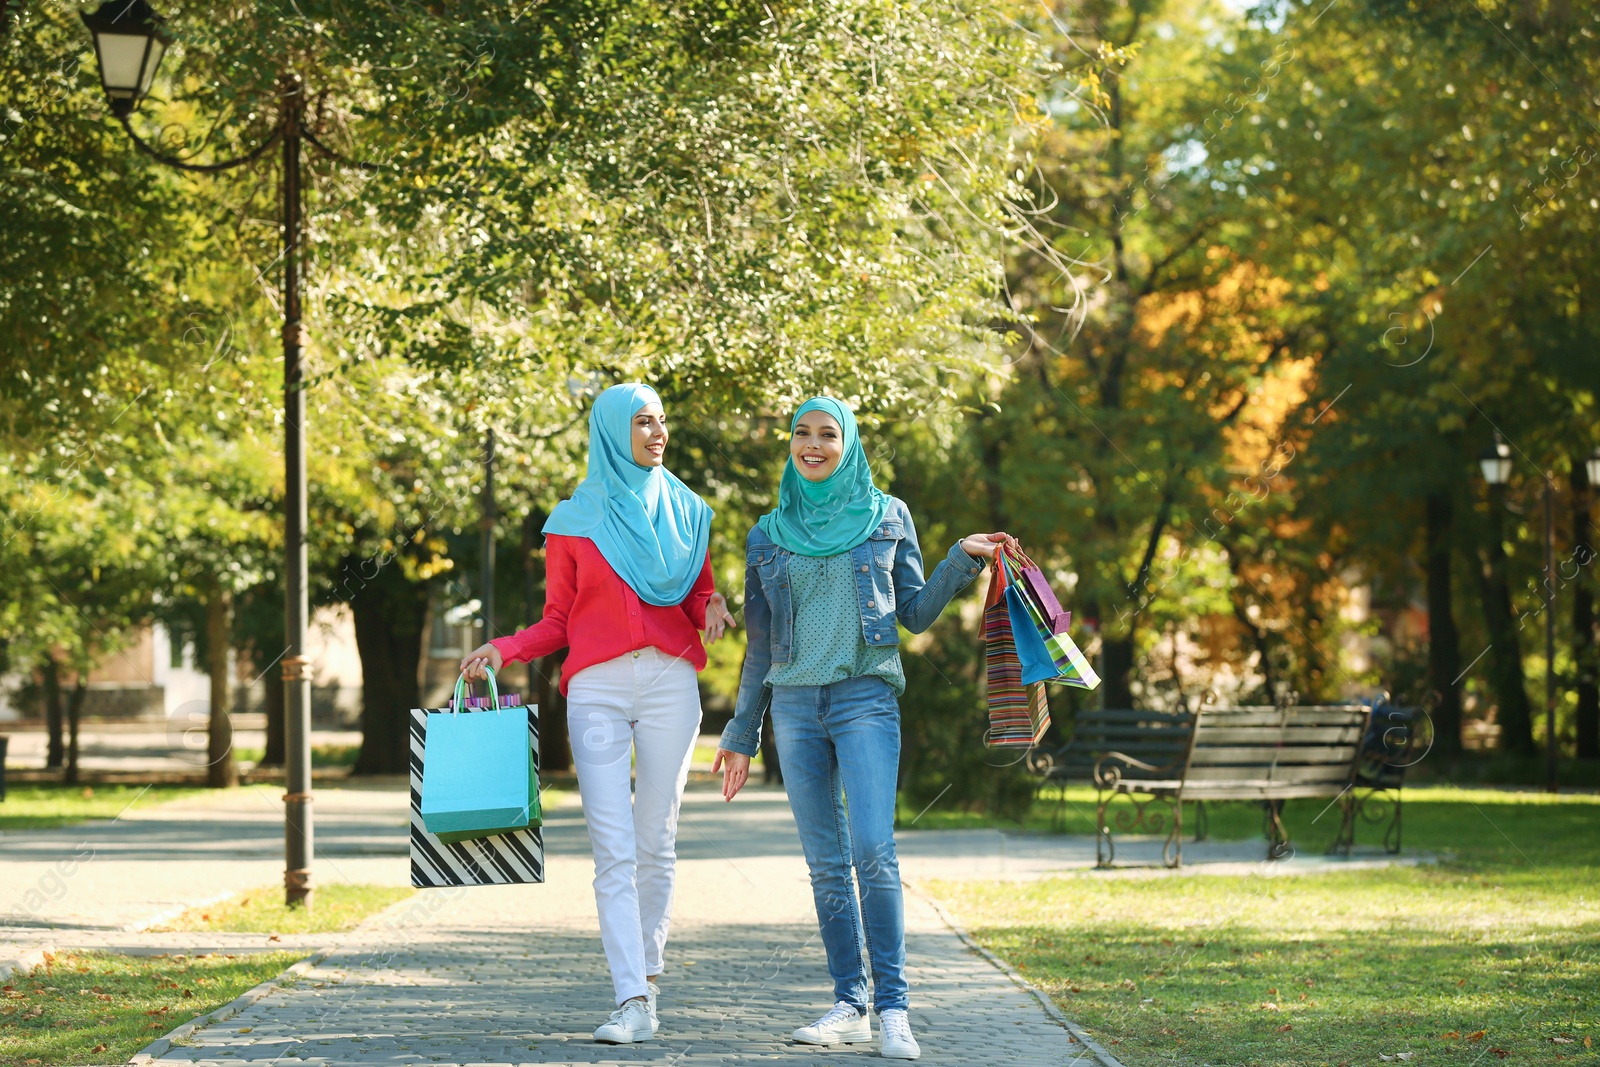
(1226, 735)
(1315, 773)
(1265, 791)
(1283, 754)
(1237, 717)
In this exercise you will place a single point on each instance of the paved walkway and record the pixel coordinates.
(506, 975)
(512, 975)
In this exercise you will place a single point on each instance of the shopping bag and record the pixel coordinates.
(1071, 666)
(1029, 578)
(476, 778)
(490, 834)
(1018, 713)
(1038, 665)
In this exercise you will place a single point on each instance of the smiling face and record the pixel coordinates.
(649, 435)
(816, 445)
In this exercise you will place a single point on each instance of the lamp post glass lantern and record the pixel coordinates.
(129, 42)
(1496, 462)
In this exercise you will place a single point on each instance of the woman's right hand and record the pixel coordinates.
(735, 768)
(472, 663)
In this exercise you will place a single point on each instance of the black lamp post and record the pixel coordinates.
(1496, 464)
(130, 43)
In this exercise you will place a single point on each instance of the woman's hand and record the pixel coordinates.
(473, 662)
(735, 768)
(982, 546)
(717, 619)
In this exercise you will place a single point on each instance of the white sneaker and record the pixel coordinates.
(843, 1025)
(650, 1000)
(629, 1023)
(898, 1044)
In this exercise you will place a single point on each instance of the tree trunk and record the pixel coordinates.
(391, 619)
(54, 750)
(1584, 657)
(221, 771)
(1116, 674)
(1505, 651)
(1444, 643)
(555, 749)
(74, 713)
(273, 680)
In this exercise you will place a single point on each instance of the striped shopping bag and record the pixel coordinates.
(1018, 713)
(439, 860)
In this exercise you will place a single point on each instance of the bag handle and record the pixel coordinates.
(458, 701)
(999, 578)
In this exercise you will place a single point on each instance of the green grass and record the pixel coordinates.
(1489, 955)
(335, 908)
(42, 806)
(321, 755)
(101, 1008)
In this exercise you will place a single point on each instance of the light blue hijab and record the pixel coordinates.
(649, 526)
(836, 514)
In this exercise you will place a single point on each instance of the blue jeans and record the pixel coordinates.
(835, 742)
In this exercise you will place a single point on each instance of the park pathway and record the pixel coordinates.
(515, 974)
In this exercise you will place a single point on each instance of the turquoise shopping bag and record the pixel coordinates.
(478, 774)
(1037, 663)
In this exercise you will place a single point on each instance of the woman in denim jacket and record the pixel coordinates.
(830, 575)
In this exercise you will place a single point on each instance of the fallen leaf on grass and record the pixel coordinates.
(1269, 1006)
(1476, 1035)
(1562, 1041)
(1588, 1042)
(100, 1048)
(1449, 1034)
(1502, 1053)
(1285, 1028)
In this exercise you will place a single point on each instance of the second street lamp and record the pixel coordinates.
(130, 43)
(1495, 462)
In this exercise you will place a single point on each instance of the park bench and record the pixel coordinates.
(1152, 737)
(1265, 754)
(1395, 738)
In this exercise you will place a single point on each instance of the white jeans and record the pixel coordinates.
(647, 703)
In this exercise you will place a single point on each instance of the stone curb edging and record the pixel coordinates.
(160, 1046)
(1105, 1058)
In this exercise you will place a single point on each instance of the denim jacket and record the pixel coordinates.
(890, 590)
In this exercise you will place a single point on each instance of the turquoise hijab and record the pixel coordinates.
(649, 526)
(836, 514)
